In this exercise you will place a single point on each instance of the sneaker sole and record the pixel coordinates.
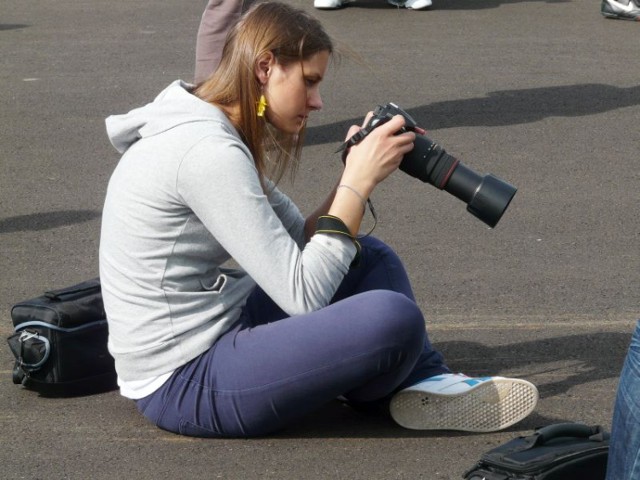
(616, 16)
(491, 406)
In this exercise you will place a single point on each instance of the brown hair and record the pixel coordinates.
(291, 35)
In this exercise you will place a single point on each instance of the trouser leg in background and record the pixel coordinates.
(271, 370)
(624, 450)
(216, 19)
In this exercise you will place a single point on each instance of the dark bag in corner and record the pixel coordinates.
(60, 342)
(564, 451)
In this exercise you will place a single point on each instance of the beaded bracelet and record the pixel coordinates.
(364, 207)
(362, 199)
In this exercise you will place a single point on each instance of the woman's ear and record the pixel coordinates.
(263, 66)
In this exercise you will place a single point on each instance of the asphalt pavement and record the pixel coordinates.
(544, 94)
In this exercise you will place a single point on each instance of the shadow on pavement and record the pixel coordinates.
(501, 108)
(591, 357)
(12, 26)
(578, 359)
(46, 220)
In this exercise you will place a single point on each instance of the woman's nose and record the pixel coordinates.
(315, 101)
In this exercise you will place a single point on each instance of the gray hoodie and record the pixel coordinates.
(183, 200)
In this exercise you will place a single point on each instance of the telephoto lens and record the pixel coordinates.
(487, 197)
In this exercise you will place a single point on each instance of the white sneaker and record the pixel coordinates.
(411, 4)
(327, 4)
(457, 402)
(622, 10)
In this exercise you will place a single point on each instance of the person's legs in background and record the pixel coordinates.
(624, 450)
(218, 16)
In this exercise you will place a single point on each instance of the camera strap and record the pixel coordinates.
(344, 148)
(353, 140)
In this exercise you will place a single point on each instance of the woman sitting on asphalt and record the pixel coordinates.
(314, 313)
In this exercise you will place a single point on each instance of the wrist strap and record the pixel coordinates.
(330, 224)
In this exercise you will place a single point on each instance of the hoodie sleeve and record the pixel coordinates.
(219, 182)
(288, 213)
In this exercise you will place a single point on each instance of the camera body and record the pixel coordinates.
(487, 197)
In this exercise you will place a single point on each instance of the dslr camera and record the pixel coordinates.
(487, 197)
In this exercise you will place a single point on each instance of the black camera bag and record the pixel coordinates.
(60, 342)
(564, 451)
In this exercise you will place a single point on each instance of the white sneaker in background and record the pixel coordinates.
(457, 402)
(327, 4)
(411, 4)
(624, 9)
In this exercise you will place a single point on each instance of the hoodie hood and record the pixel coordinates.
(172, 107)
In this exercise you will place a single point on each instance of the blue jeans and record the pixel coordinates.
(272, 369)
(624, 451)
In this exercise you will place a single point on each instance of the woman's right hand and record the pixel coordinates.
(377, 156)
(368, 163)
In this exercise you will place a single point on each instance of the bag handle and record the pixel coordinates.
(579, 430)
(93, 284)
(30, 349)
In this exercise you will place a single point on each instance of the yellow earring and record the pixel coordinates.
(262, 106)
